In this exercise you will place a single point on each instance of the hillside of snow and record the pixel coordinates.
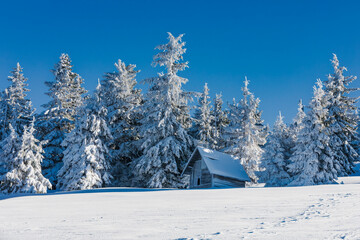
(313, 212)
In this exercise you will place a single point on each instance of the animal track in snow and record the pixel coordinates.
(202, 236)
(317, 210)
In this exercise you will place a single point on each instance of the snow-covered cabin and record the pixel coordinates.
(212, 169)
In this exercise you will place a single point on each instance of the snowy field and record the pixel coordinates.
(315, 212)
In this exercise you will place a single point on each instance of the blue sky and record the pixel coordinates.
(281, 46)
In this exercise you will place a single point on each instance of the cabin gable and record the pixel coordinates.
(200, 176)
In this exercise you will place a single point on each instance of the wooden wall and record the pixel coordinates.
(224, 182)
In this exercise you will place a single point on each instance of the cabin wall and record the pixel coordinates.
(224, 182)
(200, 176)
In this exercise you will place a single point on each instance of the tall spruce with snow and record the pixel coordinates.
(16, 109)
(66, 95)
(203, 129)
(122, 101)
(166, 144)
(343, 118)
(220, 121)
(246, 133)
(86, 164)
(171, 57)
(23, 158)
(276, 155)
(66, 91)
(313, 159)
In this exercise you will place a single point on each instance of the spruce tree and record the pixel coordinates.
(220, 121)
(9, 148)
(86, 164)
(122, 101)
(66, 91)
(2, 162)
(246, 133)
(313, 159)
(171, 57)
(16, 109)
(203, 128)
(276, 155)
(298, 122)
(57, 120)
(343, 118)
(166, 144)
(23, 158)
(297, 125)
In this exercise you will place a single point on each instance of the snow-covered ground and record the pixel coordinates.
(315, 212)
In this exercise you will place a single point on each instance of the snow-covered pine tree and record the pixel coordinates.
(3, 111)
(86, 164)
(297, 125)
(220, 121)
(166, 144)
(122, 101)
(246, 133)
(9, 147)
(16, 109)
(66, 93)
(276, 155)
(313, 159)
(203, 129)
(171, 57)
(298, 122)
(343, 118)
(23, 158)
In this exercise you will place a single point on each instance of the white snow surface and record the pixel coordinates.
(312, 212)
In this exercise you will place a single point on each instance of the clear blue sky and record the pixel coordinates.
(281, 46)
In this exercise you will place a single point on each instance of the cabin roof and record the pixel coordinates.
(219, 163)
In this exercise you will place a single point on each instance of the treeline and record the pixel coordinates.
(117, 136)
(322, 143)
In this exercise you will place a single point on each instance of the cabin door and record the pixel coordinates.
(197, 174)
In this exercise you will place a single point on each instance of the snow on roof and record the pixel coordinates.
(222, 164)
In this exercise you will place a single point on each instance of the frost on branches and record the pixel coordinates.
(15, 108)
(203, 130)
(122, 101)
(313, 159)
(166, 144)
(23, 158)
(343, 119)
(85, 158)
(246, 133)
(58, 118)
(276, 155)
